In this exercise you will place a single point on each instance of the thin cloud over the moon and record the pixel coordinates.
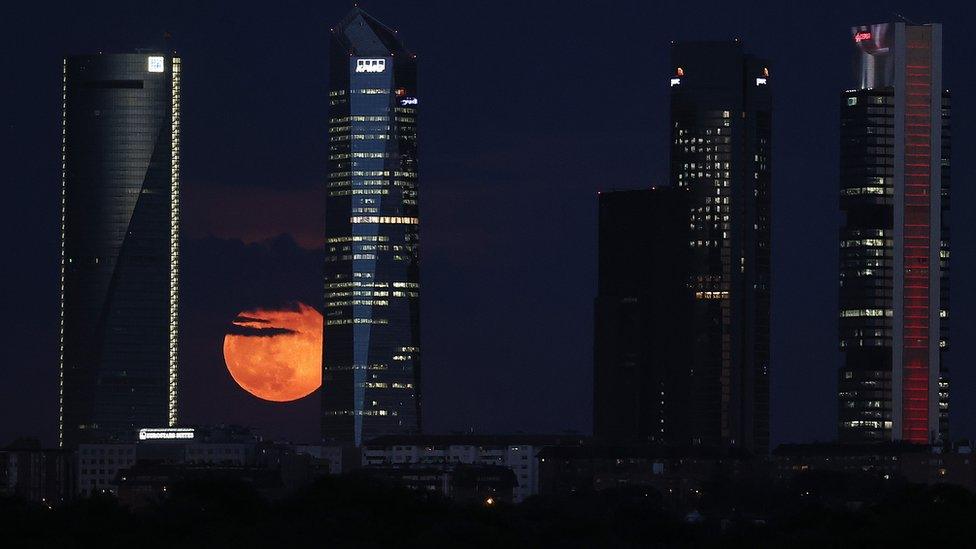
(276, 354)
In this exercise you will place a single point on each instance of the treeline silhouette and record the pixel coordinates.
(815, 509)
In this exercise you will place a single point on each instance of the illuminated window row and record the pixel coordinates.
(360, 173)
(406, 294)
(356, 284)
(342, 119)
(345, 321)
(364, 367)
(868, 424)
(361, 413)
(359, 293)
(711, 295)
(865, 242)
(383, 385)
(360, 192)
(858, 191)
(357, 238)
(385, 220)
(358, 137)
(351, 257)
(847, 313)
(345, 156)
(349, 303)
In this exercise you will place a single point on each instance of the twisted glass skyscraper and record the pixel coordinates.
(120, 245)
(371, 357)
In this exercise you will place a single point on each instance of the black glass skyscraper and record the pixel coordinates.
(894, 244)
(120, 245)
(371, 358)
(643, 318)
(720, 152)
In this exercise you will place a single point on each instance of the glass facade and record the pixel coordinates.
(120, 245)
(371, 357)
(721, 139)
(894, 193)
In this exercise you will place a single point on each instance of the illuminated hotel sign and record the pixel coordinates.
(408, 101)
(675, 82)
(155, 64)
(862, 36)
(171, 433)
(370, 65)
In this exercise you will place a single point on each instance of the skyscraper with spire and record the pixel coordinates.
(371, 356)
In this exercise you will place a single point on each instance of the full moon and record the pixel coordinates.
(276, 354)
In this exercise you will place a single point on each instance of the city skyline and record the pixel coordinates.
(539, 230)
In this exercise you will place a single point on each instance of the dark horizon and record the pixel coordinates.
(528, 112)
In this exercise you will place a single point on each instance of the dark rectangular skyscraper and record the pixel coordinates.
(119, 245)
(371, 360)
(894, 244)
(720, 152)
(643, 318)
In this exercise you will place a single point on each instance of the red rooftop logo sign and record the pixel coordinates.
(862, 36)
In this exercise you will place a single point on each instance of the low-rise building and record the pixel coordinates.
(35, 474)
(916, 463)
(148, 482)
(517, 453)
(466, 483)
(99, 465)
(677, 473)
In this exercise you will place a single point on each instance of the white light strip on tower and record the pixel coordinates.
(64, 122)
(174, 242)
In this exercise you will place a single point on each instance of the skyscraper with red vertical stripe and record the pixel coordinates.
(894, 244)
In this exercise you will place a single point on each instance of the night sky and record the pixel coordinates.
(527, 109)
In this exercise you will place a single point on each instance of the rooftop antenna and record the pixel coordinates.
(903, 18)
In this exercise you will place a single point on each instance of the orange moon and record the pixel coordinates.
(276, 354)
